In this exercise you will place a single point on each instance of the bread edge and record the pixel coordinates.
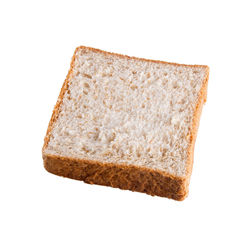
(195, 125)
(151, 181)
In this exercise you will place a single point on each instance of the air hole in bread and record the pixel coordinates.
(86, 85)
(87, 76)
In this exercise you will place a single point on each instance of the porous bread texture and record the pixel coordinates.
(129, 111)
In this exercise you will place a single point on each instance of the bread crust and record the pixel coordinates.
(128, 177)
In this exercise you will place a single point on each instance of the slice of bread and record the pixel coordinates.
(127, 122)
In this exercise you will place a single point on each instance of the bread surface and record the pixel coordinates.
(136, 145)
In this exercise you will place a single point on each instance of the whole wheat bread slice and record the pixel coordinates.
(127, 122)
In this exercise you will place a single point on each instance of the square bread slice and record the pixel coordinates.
(127, 122)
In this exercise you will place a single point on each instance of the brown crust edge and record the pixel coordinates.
(128, 177)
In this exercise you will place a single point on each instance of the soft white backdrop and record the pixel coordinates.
(39, 210)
